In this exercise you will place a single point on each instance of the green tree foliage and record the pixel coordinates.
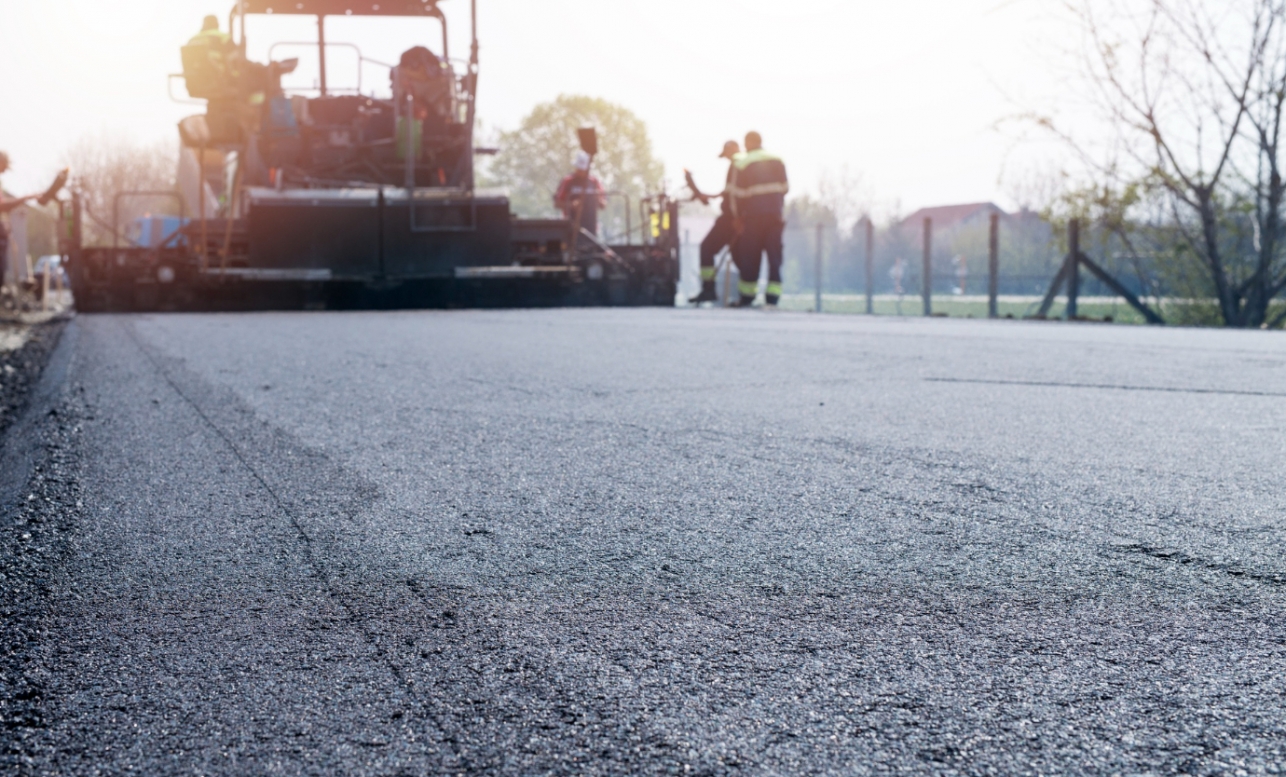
(534, 157)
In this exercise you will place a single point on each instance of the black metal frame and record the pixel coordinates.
(1069, 274)
(407, 8)
(116, 204)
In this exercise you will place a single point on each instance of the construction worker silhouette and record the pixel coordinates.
(759, 188)
(578, 186)
(207, 62)
(724, 231)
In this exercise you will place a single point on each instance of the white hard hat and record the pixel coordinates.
(581, 160)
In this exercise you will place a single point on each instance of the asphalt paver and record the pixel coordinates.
(664, 541)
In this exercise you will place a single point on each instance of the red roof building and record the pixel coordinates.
(947, 217)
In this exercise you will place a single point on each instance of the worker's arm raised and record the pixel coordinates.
(43, 198)
(11, 205)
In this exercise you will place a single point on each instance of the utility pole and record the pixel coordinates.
(926, 281)
(870, 266)
(817, 295)
(1073, 267)
(993, 268)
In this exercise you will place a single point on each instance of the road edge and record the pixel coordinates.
(39, 508)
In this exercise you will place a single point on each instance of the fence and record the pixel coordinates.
(990, 276)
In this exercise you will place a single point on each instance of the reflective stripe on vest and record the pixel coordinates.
(218, 36)
(747, 192)
(757, 174)
(747, 158)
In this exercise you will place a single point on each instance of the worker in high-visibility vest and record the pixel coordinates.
(210, 33)
(724, 231)
(759, 188)
(208, 65)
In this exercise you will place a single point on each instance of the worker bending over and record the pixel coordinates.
(724, 231)
(759, 188)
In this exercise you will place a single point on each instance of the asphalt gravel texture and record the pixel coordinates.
(20, 368)
(648, 542)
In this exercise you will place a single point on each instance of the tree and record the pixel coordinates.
(534, 157)
(104, 166)
(1195, 93)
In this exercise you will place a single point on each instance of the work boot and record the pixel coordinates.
(770, 301)
(707, 294)
(747, 300)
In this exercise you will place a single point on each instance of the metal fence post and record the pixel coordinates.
(1073, 266)
(993, 268)
(926, 282)
(817, 294)
(870, 267)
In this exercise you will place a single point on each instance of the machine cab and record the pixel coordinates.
(413, 129)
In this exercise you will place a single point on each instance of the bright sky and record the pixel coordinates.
(904, 93)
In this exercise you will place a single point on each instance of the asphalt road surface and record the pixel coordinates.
(662, 541)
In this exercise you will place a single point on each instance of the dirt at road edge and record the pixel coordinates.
(35, 533)
(21, 366)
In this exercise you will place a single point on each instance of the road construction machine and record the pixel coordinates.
(353, 197)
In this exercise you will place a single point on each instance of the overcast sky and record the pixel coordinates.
(905, 94)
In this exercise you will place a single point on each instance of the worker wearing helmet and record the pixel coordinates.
(581, 187)
(759, 188)
(724, 231)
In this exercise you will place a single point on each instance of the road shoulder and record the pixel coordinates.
(39, 504)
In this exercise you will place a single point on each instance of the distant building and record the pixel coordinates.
(1028, 256)
(950, 217)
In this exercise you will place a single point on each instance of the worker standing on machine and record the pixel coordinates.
(207, 61)
(421, 75)
(724, 231)
(581, 186)
(759, 188)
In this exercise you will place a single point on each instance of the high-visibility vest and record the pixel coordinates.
(211, 38)
(207, 64)
(759, 183)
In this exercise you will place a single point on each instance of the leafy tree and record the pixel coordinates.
(534, 157)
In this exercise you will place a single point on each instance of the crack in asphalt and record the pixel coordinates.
(318, 570)
(1186, 559)
(526, 583)
(1108, 387)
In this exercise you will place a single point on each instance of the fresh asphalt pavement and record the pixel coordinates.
(667, 541)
